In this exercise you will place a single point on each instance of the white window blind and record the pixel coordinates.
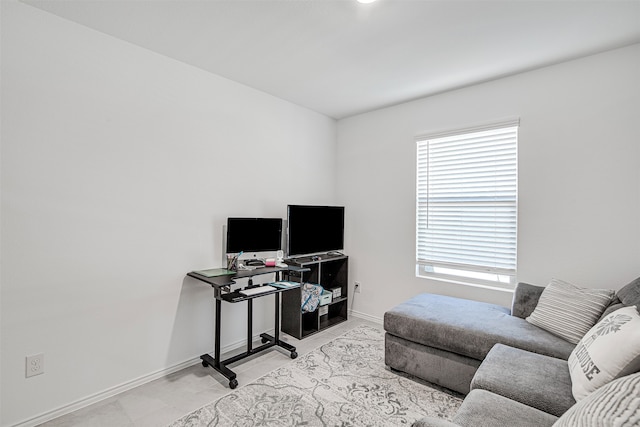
(467, 204)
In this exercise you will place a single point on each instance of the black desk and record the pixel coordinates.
(222, 292)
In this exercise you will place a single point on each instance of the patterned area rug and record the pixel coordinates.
(343, 383)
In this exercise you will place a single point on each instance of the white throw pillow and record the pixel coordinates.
(611, 349)
(616, 404)
(568, 311)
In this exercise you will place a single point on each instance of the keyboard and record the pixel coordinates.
(258, 290)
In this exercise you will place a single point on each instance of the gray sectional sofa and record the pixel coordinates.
(513, 373)
(443, 339)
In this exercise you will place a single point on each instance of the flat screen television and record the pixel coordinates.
(313, 230)
(254, 236)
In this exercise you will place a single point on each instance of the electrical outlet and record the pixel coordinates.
(357, 287)
(35, 365)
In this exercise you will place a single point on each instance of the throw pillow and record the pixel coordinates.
(616, 404)
(611, 349)
(568, 311)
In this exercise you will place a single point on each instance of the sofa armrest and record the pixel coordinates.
(525, 299)
(433, 422)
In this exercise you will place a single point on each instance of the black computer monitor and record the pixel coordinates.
(255, 237)
(314, 229)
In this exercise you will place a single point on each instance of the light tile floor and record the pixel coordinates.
(164, 400)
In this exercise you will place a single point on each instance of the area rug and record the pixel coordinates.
(342, 383)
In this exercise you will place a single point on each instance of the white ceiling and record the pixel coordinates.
(340, 58)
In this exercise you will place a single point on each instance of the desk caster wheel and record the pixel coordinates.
(264, 340)
(294, 354)
(233, 383)
(205, 364)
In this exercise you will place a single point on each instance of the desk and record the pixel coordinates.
(222, 292)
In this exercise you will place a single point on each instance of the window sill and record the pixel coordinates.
(509, 288)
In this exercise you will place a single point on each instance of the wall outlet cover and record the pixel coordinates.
(34, 365)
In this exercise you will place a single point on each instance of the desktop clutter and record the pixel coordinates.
(235, 264)
(312, 295)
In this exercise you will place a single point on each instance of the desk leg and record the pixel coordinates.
(216, 353)
(277, 328)
(249, 325)
(214, 362)
(267, 341)
(275, 340)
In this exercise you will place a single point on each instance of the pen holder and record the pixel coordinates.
(232, 262)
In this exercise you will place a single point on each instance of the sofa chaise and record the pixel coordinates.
(443, 339)
(514, 365)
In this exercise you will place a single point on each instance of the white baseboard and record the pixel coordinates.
(105, 394)
(365, 316)
(126, 386)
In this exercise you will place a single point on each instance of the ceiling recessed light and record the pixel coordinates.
(366, 1)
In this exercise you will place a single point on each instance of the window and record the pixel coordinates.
(466, 220)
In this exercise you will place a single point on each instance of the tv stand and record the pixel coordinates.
(328, 270)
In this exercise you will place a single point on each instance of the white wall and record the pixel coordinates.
(579, 180)
(119, 168)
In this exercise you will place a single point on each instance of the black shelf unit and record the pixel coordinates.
(329, 271)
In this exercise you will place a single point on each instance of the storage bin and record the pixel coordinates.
(325, 298)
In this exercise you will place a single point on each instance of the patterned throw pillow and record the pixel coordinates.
(616, 404)
(568, 311)
(310, 297)
(611, 349)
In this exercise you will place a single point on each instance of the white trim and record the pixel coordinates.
(105, 394)
(365, 316)
(466, 267)
(126, 386)
(508, 122)
(507, 288)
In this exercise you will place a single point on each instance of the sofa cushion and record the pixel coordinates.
(444, 368)
(568, 311)
(485, 409)
(630, 293)
(610, 349)
(469, 328)
(539, 381)
(525, 299)
(616, 404)
(615, 305)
